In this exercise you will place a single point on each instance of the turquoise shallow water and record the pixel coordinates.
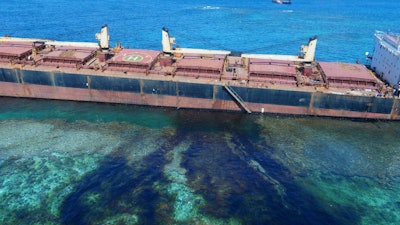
(88, 163)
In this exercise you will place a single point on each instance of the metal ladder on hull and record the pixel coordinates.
(237, 98)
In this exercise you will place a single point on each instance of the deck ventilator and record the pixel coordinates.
(237, 98)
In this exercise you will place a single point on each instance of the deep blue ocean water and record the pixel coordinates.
(87, 163)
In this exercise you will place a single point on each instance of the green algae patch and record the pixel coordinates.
(41, 162)
(375, 202)
(37, 187)
(332, 161)
(122, 218)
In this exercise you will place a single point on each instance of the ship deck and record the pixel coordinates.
(350, 79)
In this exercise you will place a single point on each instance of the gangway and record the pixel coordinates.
(237, 98)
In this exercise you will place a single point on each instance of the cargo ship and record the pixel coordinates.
(199, 78)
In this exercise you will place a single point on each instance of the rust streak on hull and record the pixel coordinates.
(395, 113)
(75, 94)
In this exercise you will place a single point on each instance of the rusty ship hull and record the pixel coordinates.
(166, 93)
(199, 80)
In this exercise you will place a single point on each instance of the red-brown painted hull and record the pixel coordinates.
(77, 94)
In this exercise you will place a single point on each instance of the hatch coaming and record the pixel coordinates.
(246, 70)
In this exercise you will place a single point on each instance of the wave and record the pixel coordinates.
(208, 7)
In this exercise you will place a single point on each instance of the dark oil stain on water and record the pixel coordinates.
(222, 175)
(117, 185)
(232, 187)
(144, 165)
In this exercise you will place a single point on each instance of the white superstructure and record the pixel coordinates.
(386, 61)
(306, 54)
(104, 38)
(169, 42)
